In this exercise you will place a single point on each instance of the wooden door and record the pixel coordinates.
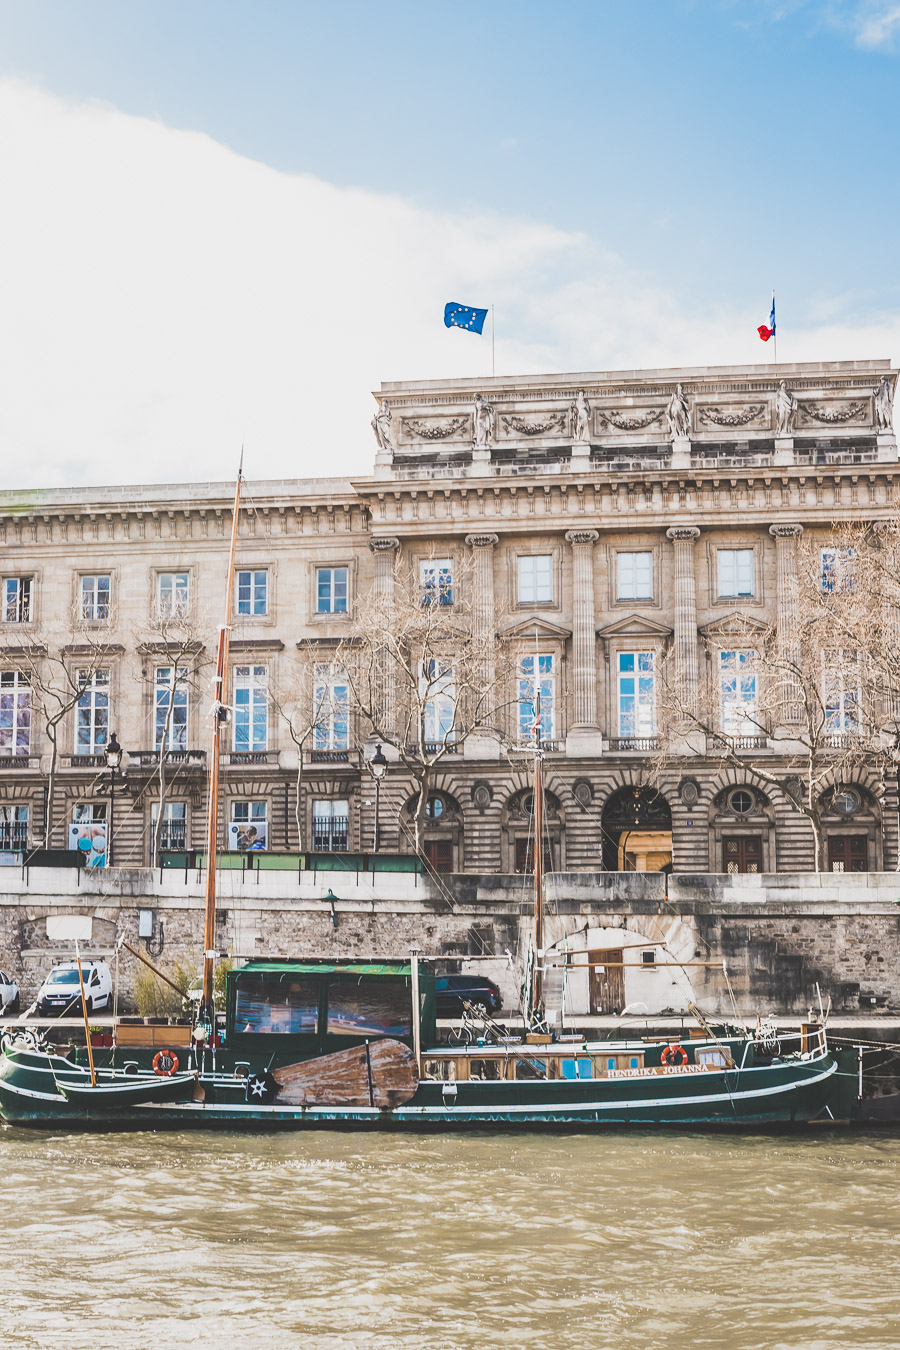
(743, 853)
(607, 982)
(525, 855)
(439, 854)
(848, 853)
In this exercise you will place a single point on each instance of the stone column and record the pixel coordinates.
(584, 737)
(686, 673)
(786, 537)
(482, 744)
(385, 551)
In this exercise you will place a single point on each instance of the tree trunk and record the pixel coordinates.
(51, 786)
(420, 816)
(298, 815)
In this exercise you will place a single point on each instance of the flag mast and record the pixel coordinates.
(493, 362)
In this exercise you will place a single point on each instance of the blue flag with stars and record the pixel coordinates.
(464, 316)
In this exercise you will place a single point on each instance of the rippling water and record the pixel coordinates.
(333, 1240)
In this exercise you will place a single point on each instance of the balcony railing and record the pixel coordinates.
(16, 761)
(641, 744)
(432, 747)
(328, 756)
(236, 757)
(740, 742)
(87, 761)
(148, 759)
(14, 837)
(172, 837)
(331, 834)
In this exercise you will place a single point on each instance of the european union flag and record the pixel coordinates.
(464, 316)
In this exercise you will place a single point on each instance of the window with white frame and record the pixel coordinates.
(92, 712)
(248, 831)
(537, 683)
(735, 572)
(172, 595)
(331, 590)
(436, 581)
(738, 693)
(439, 695)
(535, 578)
(173, 831)
(253, 593)
(841, 690)
(332, 709)
(171, 708)
(17, 598)
(331, 826)
(636, 689)
(94, 594)
(15, 714)
(634, 576)
(251, 708)
(836, 567)
(13, 826)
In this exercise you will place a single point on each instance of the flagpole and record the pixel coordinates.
(493, 360)
(775, 334)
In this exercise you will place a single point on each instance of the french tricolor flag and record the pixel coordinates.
(764, 332)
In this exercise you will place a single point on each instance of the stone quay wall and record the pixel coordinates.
(779, 935)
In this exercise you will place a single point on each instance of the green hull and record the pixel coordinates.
(792, 1092)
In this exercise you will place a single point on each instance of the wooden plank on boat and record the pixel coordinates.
(383, 1073)
(158, 1037)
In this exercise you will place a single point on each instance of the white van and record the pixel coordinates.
(60, 990)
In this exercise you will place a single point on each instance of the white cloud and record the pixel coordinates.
(164, 299)
(876, 24)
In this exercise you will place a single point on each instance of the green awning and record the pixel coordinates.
(274, 967)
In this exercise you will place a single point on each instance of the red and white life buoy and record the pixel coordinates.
(674, 1055)
(165, 1063)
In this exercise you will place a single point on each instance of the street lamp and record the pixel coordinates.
(378, 764)
(113, 752)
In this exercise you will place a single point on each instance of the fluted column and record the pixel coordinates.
(385, 551)
(686, 673)
(483, 744)
(786, 537)
(584, 645)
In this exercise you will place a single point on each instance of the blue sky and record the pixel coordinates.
(625, 180)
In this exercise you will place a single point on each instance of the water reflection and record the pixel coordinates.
(333, 1240)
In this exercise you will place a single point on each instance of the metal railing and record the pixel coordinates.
(14, 836)
(331, 834)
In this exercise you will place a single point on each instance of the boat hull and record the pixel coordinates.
(779, 1095)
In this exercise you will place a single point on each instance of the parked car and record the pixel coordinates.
(9, 994)
(453, 990)
(60, 989)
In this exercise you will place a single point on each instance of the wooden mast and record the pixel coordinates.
(537, 1001)
(220, 714)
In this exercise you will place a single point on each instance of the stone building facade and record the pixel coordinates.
(609, 518)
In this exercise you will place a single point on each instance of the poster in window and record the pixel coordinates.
(248, 836)
(89, 838)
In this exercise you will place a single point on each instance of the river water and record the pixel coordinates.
(567, 1242)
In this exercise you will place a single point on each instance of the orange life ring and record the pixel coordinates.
(674, 1054)
(165, 1063)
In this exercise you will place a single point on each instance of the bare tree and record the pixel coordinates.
(424, 671)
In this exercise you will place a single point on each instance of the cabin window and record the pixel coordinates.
(714, 1058)
(531, 1068)
(277, 1005)
(486, 1070)
(577, 1068)
(370, 1008)
(440, 1070)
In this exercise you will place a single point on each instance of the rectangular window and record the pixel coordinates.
(735, 571)
(635, 576)
(837, 568)
(15, 714)
(173, 832)
(331, 826)
(16, 592)
(737, 689)
(436, 581)
(637, 694)
(251, 708)
(248, 831)
(172, 595)
(13, 827)
(742, 854)
(92, 713)
(332, 709)
(439, 693)
(379, 1007)
(331, 590)
(535, 579)
(841, 690)
(848, 853)
(537, 677)
(276, 1005)
(253, 593)
(94, 596)
(170, 731)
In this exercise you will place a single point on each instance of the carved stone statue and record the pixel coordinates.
(785, 407)
(678, 415)
(483, 419)
(581, 417)
(381, 425)
(884, 405)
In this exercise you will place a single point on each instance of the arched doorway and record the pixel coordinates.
(637, 831)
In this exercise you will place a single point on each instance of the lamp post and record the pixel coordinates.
(378, 764)
(113, 754)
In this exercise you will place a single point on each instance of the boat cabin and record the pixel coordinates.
(310, 1007)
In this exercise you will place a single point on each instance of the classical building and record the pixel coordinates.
(610, 517)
